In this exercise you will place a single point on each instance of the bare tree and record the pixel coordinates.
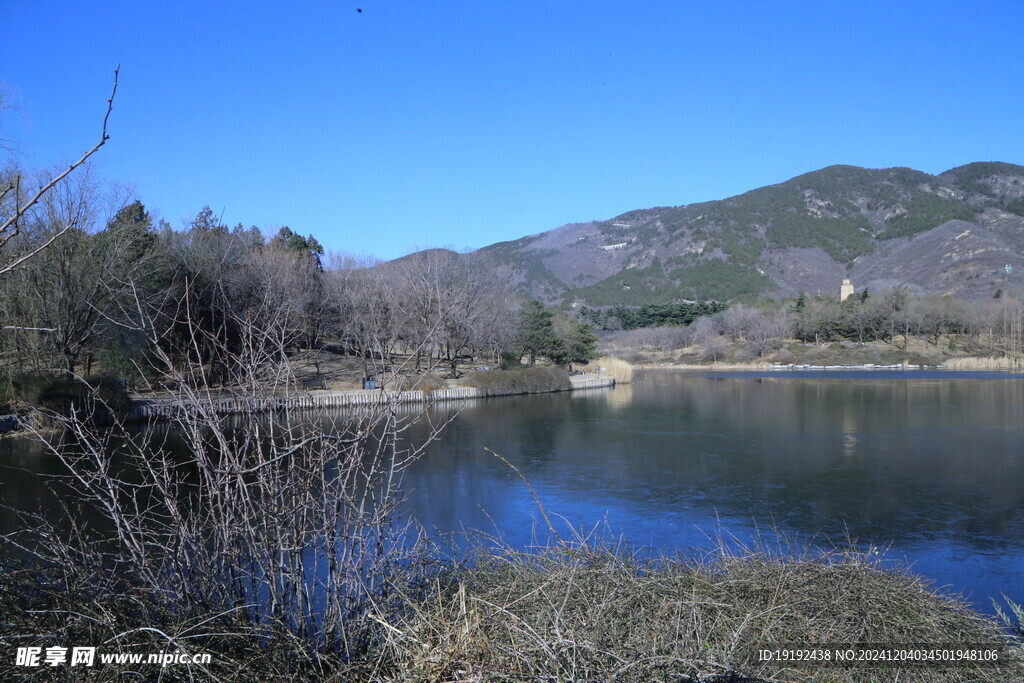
(284, 521)
(68, 292)
(364, 304)
(6, 104)
(667, 339)
(940, 315)
(715, 348)
(818, 320)
(767, 329)
(737, 321)
(705, 328)
(16, 206)
(473, 305)
(863, 320)
(447, 303)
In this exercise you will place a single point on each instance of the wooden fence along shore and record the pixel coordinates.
(146, 409)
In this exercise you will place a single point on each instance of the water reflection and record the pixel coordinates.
(932, 466)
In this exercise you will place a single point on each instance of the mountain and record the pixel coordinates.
(951, 233)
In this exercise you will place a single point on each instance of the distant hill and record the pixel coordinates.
(953, 233)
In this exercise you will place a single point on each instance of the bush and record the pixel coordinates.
(533, 380)
(19, 389)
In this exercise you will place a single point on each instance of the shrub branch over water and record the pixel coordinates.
(278, 529)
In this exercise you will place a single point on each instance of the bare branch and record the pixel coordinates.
(20, 209)
(25, 257)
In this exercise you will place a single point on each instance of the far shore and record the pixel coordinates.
(780, 367)
(791, 354)
(966, 364)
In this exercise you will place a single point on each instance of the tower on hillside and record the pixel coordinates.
(845, 289)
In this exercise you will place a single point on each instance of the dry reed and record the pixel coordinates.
(621, 370)
(1010, 364)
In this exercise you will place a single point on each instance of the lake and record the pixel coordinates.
(928, 465)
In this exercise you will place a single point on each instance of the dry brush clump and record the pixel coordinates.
(425, 382)
(574, 612)
(529, 380)
(1007, 363)
(264, 538)
(621, 370)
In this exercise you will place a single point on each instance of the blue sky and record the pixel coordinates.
(417, 123)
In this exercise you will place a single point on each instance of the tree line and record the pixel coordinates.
(649, 315)
(893, 316)
(117, 290)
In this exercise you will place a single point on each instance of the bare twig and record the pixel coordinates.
(11, 226)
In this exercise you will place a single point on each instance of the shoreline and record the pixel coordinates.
(795, 367)
(166, 409)
(788, 367)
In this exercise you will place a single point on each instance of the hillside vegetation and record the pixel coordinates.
(952, 233)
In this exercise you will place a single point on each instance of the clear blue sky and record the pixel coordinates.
(416, 123)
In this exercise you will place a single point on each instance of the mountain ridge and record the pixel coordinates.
(951, 233)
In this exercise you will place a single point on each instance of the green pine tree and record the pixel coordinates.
(581, 344)
(536, 337)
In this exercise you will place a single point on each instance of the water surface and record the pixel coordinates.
(927, 464)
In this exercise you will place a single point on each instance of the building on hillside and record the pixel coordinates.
(845, 289)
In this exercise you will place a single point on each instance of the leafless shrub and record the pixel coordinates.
(715, 348)
(705, 327)
(282, 523)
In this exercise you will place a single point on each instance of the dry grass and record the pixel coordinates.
(1009, 364)
(621, 370)
(575, 612)
(426, 382)
(597, 614)
(752, 365)
(532, 380)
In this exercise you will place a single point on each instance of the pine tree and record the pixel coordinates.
(537, 332)
(581, 344)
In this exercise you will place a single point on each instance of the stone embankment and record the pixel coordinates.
(226, 404)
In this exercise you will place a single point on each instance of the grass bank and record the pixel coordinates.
(530, 380)
(566, 613)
